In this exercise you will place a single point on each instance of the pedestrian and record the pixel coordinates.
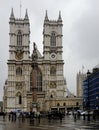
(9, 116)
(22, 116)
(60, 116)
(12, 116)
(39, 117)
(31, 115)
(94, 117)
(15, 116)
(3, 115)
(75, 113)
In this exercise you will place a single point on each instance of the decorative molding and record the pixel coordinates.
(53, 84)
(19, 52)
(19, 85)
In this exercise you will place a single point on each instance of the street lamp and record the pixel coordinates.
(88, 100)
(97, 103)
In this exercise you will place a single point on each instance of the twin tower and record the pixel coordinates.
(49, 79)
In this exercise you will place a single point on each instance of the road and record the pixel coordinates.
(67, 123)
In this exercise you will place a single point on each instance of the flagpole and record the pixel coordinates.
(20, 8)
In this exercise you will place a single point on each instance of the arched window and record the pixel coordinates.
(51, 96)
(58, 104)
(19, 38)
(53, 39)
(18, 71)
(64, 104)
(77, 103)
(20, 99)
(53, 70)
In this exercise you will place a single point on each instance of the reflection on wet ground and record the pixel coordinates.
(67, 123)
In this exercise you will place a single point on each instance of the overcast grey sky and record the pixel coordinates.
(80, 32)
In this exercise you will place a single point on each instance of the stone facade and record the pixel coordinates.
(80, 78)
(51, 87)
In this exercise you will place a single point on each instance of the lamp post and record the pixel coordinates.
(88, 100)
(97, 103)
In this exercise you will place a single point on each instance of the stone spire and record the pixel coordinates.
(12, 14)
(59, 18)
(26, 15)
(46, 16)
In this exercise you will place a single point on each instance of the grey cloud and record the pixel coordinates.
(85, 35)
(80, 32)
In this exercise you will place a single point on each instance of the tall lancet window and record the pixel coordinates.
(53, 39)
(19, 38)
(20, 99)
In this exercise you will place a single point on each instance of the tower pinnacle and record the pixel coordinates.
(12, 14)
(26, 15)
(46, 16)
(59, 18)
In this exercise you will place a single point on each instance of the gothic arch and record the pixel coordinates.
(16, 32)
(19, 98)
(53, 39)
(53, 94)
(19, 38)
(18, 93)
(39, 80)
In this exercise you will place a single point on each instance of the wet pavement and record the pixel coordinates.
(67, 123)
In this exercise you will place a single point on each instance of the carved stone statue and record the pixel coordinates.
(34, 55)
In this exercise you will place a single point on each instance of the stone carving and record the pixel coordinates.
(53, 84)
(34, 55)
(19, 53)
(19, 85)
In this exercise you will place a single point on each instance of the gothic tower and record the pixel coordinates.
(18, 62)
(26, 85)
(80, 78)
(53, 62)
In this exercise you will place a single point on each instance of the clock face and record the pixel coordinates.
(53, 56)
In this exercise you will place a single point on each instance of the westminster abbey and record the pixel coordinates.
(35, 81)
